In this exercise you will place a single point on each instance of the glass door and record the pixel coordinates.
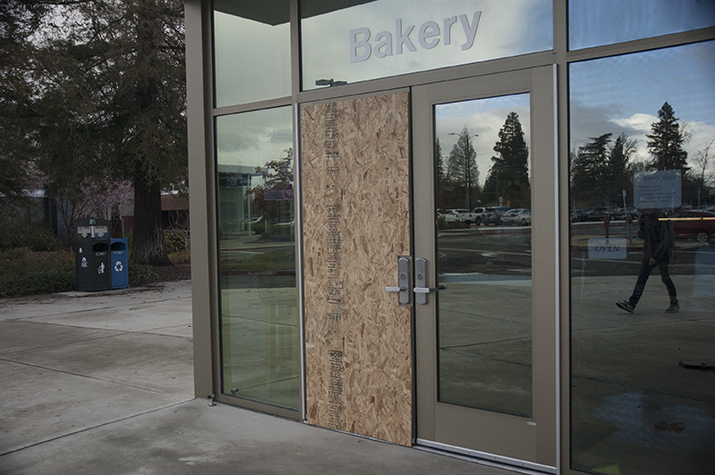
(485, 267)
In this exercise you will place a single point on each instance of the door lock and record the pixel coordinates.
(403, 281)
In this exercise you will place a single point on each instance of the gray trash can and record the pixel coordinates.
(92, 255)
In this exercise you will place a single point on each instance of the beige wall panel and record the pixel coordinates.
(356, 211)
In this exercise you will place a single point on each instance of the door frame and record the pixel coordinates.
(538, 446)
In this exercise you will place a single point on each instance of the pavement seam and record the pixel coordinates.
(151, 331)
(94, 378)
(96, 427)
(94, 309)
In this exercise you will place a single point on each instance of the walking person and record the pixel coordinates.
(657, 245)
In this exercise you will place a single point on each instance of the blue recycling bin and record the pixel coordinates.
(119, 263)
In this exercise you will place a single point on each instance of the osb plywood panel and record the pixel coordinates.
(355, 178)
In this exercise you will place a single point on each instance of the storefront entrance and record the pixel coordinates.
(486, 284)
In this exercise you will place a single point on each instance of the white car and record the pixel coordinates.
(517, 217)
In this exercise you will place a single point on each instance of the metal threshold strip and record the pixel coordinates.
(497, 461)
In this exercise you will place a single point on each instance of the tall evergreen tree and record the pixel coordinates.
(666, 142)
(590, 172)
(618, 176)
(19, 20)
(509, 174)
(118, 69)
(462, 168)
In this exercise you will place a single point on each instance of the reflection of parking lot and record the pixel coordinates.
(627, 379)
(486, 250)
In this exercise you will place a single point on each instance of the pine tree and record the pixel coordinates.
(590, 172)
(509, 174)
(462, 168)
(113, 105)
(618, 177)
(666, 142)
(19, 20)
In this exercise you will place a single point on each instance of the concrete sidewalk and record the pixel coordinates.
(103, 384)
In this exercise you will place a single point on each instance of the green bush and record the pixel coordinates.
(180, 257)
(174, 241)
(140, 274)
(442, 223)
(36, 237)
(28, 273)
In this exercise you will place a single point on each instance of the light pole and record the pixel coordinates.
(468, 172)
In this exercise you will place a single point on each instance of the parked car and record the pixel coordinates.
(517, 216)
(693, 224)
(627, 213)
(466, 216)
(493, 215)
(451, 215)
(580, 214)
(603, 212)
(478, 215)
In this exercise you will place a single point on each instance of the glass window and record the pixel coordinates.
(484, 254)
(251, 51)
(605, 22)
(643, 277)
(256, 230)
(356, 40)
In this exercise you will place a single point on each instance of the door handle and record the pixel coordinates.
(421, 290)
(403, 281)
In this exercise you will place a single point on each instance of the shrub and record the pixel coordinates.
(27, 273)
(140, 274)
(36, 237)
(180, 257)
(174, 241)
(442, 223)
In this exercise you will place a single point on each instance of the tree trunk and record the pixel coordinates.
(148, 236)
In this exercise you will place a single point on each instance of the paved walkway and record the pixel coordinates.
(102, 384)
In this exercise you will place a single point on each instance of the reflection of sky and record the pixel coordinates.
(484, 117)
(624, 94)
(634, 19)
(252, 60)
(506, 28)
(254, 138)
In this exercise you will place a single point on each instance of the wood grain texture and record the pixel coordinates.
(356, 210)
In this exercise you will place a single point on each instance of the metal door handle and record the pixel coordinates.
(421, 290)
(403, 280)
(395, 289)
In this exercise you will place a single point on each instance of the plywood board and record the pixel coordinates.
(356, 211)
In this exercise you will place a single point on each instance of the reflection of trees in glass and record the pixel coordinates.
(458, 175)
(462, 172)
(271, 196)
(599, 171)
(508, 178)
(703, 158)
(666, 142)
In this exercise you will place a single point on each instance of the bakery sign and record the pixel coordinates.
(456, 29)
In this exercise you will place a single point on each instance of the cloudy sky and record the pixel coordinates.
(624, 94)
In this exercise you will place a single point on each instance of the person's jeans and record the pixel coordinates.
(643, 278)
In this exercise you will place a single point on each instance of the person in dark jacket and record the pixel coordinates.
(656, 253)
